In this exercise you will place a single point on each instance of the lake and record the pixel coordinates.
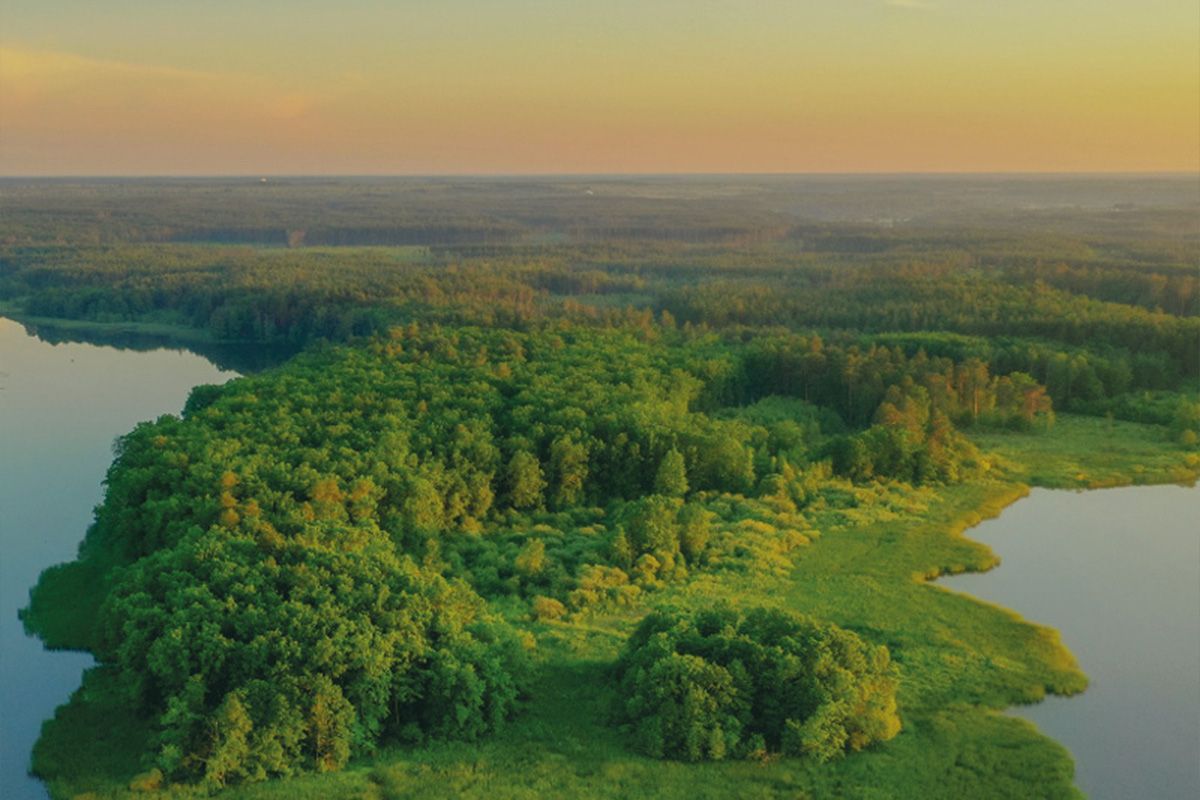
(1117, 572)
(61, 406)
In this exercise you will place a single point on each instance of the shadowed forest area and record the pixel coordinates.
(597, 487)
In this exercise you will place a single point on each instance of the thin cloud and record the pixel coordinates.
(914, 5)
(33, 81)
(62, 109)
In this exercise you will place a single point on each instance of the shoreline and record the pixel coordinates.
(1056, 589)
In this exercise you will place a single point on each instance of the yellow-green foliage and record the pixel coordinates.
(547, 608)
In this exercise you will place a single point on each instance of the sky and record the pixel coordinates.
(234, 87)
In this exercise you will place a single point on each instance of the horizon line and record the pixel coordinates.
(672, 174)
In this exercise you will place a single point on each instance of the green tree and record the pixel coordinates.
(230, 746)
(671, 478)
(531, 561)
(653, 526)
(719, 683)
(569, 466)
(525, 481)
(331, 718)
(695, 529)
(423, 506)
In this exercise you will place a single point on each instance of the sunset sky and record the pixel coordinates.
(547, 86)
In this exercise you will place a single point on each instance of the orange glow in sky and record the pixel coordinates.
(548, 86)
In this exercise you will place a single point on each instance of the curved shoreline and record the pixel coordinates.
(1054, 583)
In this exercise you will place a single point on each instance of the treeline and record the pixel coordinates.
(914, 300)
(1093, 357)
(856, 380)
(276, 295)
(1140, 386)
(255, 295)
(1173, 291)
(912, 404)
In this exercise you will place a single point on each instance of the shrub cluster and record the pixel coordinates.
(726, 684)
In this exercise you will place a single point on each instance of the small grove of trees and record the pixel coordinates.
(658, 530)
(726, 684)
(263, 656)
(911, 440)
(855, 381)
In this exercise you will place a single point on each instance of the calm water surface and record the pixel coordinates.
(61, 406)
(1117, 572)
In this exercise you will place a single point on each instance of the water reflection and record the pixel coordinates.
(243, 358)
(61, 406)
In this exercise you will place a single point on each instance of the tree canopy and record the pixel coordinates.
(722, 683)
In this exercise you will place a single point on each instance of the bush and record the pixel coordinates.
(722, 683)
(547, 608)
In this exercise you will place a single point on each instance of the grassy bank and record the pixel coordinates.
(1093, 453)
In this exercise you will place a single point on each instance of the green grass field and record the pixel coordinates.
(1093, 453)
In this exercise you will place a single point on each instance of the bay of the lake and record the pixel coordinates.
(1117, 572)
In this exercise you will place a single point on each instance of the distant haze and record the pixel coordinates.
(133, 87)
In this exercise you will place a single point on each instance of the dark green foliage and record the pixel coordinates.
(268, 656)
(726, 684)
(932, 298)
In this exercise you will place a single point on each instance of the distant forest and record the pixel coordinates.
(1090, 285)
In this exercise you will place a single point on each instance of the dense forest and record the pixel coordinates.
(662, 464)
